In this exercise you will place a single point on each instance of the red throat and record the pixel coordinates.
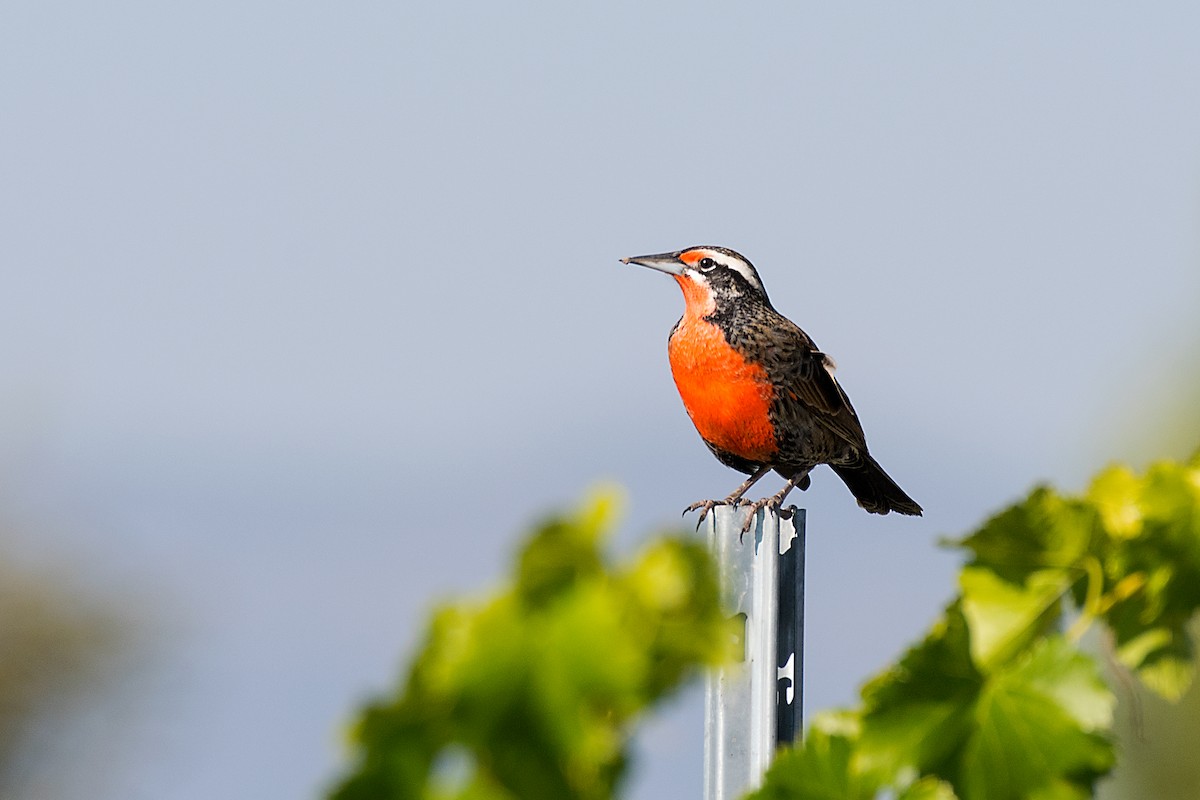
(698, 297)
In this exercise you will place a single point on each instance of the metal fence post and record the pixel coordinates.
(754, 704)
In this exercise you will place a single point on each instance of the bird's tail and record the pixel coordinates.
(874, 490)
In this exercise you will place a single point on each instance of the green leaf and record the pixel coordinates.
(1153, 526)
(916, 714)
(1003, 617)
(1116, 493)
(820, 769)
(1128, 552)
(564, 550)
(1044, 531)
(1039, 726)
(1038, 720)
(1164, 659)
(928, 788)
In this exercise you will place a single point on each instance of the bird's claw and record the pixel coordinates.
(705, 506)
(767, 503)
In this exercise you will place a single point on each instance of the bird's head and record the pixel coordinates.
(708, 275)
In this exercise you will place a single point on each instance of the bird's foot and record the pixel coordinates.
(705, 506)
(773, 503)
(767, 503)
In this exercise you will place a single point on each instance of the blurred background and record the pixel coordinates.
(309, 308)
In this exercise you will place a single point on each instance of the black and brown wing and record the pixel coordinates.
(814, 421)
(816, 424)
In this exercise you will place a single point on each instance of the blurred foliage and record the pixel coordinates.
(997, 703)
(56, 647)
(533, 692)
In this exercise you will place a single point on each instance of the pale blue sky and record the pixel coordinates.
(309, 308)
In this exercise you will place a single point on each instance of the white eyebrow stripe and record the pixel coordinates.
(734, 263)
(750, 277)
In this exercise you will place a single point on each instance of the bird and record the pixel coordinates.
(760, 392)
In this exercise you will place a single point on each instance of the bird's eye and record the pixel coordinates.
(707, 264)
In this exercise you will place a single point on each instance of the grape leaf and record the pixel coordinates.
(821, 769)
(1153, 526)
(1039, 726)
(1044, 531)
(1003, 618)
(916, 714)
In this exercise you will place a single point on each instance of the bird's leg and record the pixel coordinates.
(775, 501)
(706, 506)
(746, 484)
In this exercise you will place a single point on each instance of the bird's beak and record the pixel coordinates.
(663, 262)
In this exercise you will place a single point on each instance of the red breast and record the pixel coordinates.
(727, 397)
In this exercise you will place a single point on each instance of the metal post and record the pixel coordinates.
(754, 704)
(789, 648)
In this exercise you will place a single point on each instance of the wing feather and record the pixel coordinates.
(805, 376)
